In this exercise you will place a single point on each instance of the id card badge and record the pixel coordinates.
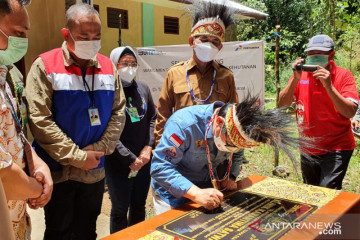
(23, 113)
(132, 174)
(94, 117)
(134, 115)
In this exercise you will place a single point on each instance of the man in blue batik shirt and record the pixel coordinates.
(180, 169)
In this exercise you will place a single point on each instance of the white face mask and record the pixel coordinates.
(86, 49)
(222, 146)
(127, 73)
(206, 51)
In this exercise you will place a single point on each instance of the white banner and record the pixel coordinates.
(245, 59)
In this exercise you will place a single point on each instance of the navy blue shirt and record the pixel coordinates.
(135, 135)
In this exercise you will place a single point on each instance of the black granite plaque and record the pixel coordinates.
(243, 215)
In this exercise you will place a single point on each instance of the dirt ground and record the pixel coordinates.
(102, 225)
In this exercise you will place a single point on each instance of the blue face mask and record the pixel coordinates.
(318, 59)
(17, 48)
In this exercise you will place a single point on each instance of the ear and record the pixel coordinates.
(191, 42)
(217, 125)
(221, 46)
(65, 33)
(332, 55)
(219, 120)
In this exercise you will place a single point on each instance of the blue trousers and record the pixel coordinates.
(127, 195)
(326, 170)
(72, 211)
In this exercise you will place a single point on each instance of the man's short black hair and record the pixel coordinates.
(5, 7)
(223, 110)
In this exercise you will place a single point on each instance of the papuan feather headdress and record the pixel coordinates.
(248, 126)
(211, 18)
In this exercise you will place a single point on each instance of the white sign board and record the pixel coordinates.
(245, 59)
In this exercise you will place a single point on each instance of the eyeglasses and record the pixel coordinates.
(128, 64)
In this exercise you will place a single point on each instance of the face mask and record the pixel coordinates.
(17, 48)
(206, 51)
(127, 73)
(222, 146)
(86, 49)
(318, 59)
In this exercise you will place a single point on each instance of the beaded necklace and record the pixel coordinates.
(192, 91)
(213, 178)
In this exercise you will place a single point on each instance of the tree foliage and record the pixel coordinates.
(299, 21)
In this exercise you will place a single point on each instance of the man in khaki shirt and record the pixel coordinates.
(67, 85)
(199, 80)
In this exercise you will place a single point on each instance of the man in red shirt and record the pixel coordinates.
(326, 99)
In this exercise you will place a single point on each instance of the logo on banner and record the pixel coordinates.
(240, 47)
(150, 52)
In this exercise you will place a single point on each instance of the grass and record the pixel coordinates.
(352, 177)
(261, 162)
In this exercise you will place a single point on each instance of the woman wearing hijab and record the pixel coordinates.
(128, 168)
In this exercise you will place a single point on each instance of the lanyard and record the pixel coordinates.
(144, 106)
(143, 102)
(13, 113)
(17, 100)
(214, 180)
(87, 88)
(191, 90)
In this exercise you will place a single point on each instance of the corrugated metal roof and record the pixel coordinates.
(242, 12)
